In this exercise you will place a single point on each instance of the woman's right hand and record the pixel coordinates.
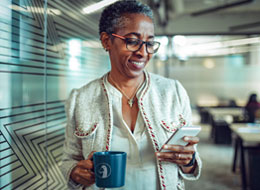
(83, 173)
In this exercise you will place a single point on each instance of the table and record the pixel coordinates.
(226, 113)
(236, 112)
(247, 139)
(220, 119)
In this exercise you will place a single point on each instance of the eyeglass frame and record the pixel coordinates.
(141, 44)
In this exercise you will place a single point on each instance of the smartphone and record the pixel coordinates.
(177, 137)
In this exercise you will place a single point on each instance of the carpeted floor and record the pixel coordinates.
(217, 164)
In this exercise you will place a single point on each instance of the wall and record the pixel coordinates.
(40, 62)
(215, 80)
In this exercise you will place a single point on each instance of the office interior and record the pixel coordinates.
(49, 47)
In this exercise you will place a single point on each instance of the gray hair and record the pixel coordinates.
(112, 16)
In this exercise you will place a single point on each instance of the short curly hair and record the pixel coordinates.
(112, 15)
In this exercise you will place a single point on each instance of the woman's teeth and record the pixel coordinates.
(138, 63)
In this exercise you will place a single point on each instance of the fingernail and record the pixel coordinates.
(165, 146)
(158, 154)
(186, 138)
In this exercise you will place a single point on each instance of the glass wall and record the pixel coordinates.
(46, 49)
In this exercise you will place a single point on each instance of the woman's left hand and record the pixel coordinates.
(181, 155)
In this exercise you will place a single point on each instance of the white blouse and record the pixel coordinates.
(141, 171)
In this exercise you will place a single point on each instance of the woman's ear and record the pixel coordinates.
(104, 37)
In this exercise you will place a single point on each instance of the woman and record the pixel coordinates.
(129, 110)
(251, 108)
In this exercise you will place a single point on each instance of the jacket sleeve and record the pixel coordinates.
(72, 149)
(187, 115)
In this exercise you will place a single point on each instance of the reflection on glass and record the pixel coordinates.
(74, 54)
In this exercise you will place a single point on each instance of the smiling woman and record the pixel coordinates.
(130, 110)
(125, 62)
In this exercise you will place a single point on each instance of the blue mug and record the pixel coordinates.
(110, 169)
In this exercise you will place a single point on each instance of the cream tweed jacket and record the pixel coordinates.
(163, 104)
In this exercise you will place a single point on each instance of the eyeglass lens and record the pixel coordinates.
(135, 45)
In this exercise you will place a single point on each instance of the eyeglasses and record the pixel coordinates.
(134, 44)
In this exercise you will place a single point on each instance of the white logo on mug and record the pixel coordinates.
(103, 170)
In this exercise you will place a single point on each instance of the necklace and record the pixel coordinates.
(130, 101)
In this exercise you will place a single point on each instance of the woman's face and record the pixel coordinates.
(124, 63)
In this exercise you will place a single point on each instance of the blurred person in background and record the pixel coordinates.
(252, 108)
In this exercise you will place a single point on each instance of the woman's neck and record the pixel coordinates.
(128, 87)
(125, 83)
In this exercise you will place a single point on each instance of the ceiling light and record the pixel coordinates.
(94, 7)
(209, 63)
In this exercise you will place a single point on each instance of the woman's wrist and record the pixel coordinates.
(192, 162)
(190, 167)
